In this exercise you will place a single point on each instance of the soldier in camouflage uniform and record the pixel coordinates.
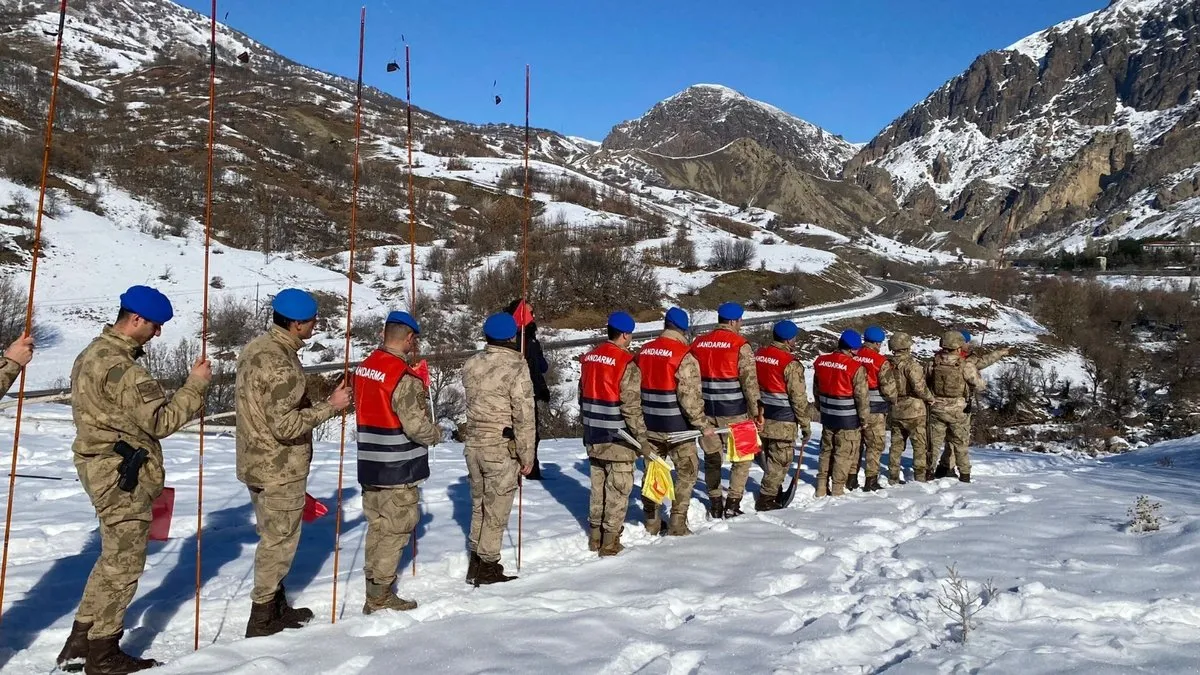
(909, 422)
(671, 402)
(17, 356)
(121, 413)
(785, 410)
(729, 385)
(951, 380)
(275, 422)
(881, 385)
(395, 430)
(610, 400)
(980, 361)
(843, 400)
(499, 441)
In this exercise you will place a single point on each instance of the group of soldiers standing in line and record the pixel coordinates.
(631, 404)
(670, 386)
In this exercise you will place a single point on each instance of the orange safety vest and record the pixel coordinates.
(386, 456)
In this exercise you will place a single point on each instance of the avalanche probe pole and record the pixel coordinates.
(412, 236)
(208, 202)
(37, 249)
(337, 523)
(524, 299)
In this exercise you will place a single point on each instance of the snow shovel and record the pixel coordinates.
(786, 495)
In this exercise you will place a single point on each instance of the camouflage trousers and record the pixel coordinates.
(714, 456)
(114, 578)
(954, 429)
(778, 455)
(611, 484)
(905, 431)
(277, 512)
(493, 475)
(687, 470)
(947, 458)
(874, 437)
(392, 514)
(839, 448)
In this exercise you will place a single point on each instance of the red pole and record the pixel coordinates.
(37, 249)
(337, 523)
(208, 201)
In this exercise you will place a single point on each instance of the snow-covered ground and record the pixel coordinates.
(835, 585)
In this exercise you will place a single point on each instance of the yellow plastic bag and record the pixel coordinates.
(656, 483)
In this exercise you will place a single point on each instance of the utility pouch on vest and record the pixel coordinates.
(132, 460)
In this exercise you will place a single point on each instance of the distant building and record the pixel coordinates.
(1169, 247)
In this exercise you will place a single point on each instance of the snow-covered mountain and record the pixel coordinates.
(1089, 125)
(707, 117)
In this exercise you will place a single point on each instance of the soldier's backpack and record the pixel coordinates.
(947, 379)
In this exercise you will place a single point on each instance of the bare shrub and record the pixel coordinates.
(732, 254)
(961, 604)
(457, 164)
(232, 323)
(734, 227)
(1143, 515)
(391, 258)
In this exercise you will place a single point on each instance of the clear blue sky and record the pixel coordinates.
(850, 66)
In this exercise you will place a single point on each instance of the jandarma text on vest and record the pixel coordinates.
(600, 358)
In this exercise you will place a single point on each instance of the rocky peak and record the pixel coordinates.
(705, 118)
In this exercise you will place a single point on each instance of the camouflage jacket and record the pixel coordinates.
(275, 418)
(635, 423)
(499, 396)
(687, 387)
(9, 372)
(911, 392)
(952, 380)
(114, 399)
(793, 376)
(986, 359)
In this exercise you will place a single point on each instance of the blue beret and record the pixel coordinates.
(295, 304)
(621, 321)
(874, 334)
(966, 335)
(730, 311)
(786, 330)
(850, 339)
(678, 318)
(148, 303)
(406, 319)
(500, 326)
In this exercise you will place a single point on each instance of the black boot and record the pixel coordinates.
(942, 471)
(263, 620)
(106, 658)
(852, 482)
(733, 507)
(716, 507)
(74, 652)
(964, 477)
(766, 503)
(491, 573)
(291, 617)
(472, 567)
(872, 484)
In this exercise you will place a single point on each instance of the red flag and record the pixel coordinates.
(744, 436)
(160, 515)
(523, 314)
(313, 508)
(421, 370)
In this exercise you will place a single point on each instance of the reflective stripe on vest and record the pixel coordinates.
(770, 362)
(659, 362)
(386, 455)
(717, 353)
(601, 371)
(873, 361)
(834, 375)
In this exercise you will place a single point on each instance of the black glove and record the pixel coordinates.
(132, 460)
